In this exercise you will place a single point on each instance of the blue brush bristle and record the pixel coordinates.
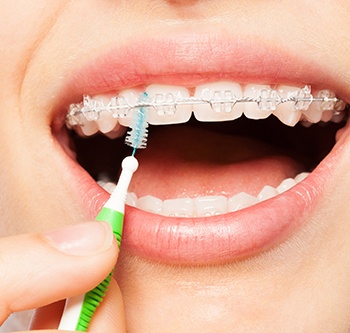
(137, 136)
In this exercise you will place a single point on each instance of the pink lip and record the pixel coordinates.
(187, 61)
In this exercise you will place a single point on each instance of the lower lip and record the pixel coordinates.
(223, 238)
(217, 239)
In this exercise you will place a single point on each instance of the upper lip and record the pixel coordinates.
(188, 60)
(192, 59)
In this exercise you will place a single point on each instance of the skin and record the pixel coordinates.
(300, 285)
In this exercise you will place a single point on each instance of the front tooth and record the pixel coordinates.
(178, 207)
(150, 204)
(127, 98)
(266, 193)
(287, 112)
(172, 113)
(210, 205)
(240, 201)
(254, 110)
(220, 105)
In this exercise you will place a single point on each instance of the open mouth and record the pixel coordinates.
(229, 169)
(238, 149)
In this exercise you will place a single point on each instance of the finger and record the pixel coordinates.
(47, 317)
(109, 316)
(40, 269)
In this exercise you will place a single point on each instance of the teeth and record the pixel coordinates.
(169, 112)
(327, 115)
(263, 109)
(222, 104)
(287, 112)
(89, 127)
(219, 101)
(211, 205)
(304, 98)
(286, 185)
(127, 98)
(299, 178)
(313, 114)
(240, 201)
(150, 204)
(203, 206)
(323, 110)
(89, 108)
(106, 122)
(329, 102)
(208, 205)
(107, 186)
(266, 193)
(116, 132)
(178, 207)
(131, 199)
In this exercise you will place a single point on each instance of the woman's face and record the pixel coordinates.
(281, 265)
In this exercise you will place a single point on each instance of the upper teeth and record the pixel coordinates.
(217, 101)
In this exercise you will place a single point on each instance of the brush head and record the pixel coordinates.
(137, 136)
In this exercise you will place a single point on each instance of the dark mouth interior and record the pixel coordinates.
(99, 155)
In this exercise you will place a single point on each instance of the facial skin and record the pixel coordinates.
(299, 285)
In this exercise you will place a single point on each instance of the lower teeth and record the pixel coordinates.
(205, 206)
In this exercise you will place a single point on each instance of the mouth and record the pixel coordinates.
(230, 170)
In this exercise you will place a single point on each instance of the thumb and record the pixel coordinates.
(38, 269)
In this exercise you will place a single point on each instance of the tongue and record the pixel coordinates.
(190, 162)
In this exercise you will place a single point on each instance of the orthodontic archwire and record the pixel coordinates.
(220, 101)
(79, 311)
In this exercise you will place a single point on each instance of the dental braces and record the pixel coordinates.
(220, 101)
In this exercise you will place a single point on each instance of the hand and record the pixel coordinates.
(39, 270)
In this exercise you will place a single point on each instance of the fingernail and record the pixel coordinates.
(82, 239)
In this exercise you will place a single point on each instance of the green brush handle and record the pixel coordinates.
(115, 219)
(94, 297)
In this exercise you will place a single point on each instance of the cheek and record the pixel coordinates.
(34, 195)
